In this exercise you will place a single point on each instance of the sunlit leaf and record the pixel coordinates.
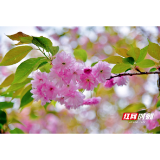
(152, 69)
(122, 52)
(119, 68)
(46, 68)
(17, 86)
(5, 105)
(46, 105)
(80, 54)
(26, 67)
(134, 52)
(135, 107)
(17, 92)
(154, 50)
(114, 59)
(158, 104)
(8, 81)
(15, 55)
(54, 50)
(146, 63)
(53, 103)
(142, 55)
(93, 64)
(16, 131)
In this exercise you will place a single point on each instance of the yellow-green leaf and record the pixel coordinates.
(17, 92)
(135, 107)
(17, 86)
(25, 90)
(122, 52)
(119, 68)
(26, 67)
(15, 55)
(114, 59)
(8, 81)
(80, 54)
(134, 52)
(146, 63)
(154, 50)
(142, 55)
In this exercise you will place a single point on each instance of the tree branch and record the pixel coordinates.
(132, 74)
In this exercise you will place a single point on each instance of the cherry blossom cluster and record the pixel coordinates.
(66, 77)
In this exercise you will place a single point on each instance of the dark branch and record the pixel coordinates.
(132, 74)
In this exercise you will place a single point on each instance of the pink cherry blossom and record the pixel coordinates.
(63, 61)
(39, 78)
(120, 81)
(109, 83)
(76, 71)
(87, 70)
(88, 82)
(74, 99)
(45, 92)
(153, 123)
(93, 100)
(101, 71)
(59, 78)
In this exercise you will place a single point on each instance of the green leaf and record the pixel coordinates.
(5, 105)
(25, 90)
(135, 107)
(15, 55)
(142, 55)
(26, 67)
(93, 64)
(80, 54)
(26, 40)
(16, 131)
(46, 68)
(53, 103)
(128, 60)
(54, 50)
(152, 69)
(14, 120)
(119, 68)
(27, 98)
(3, 117)
(146, 63)
(46, 105)
(122, 52)
(128, 69)
(8, 81)
(96, 88)
(154, 50)
(158, 104)
(17, 86)
(17, 93)
(43, 42)
(134, 52)
(114, 59)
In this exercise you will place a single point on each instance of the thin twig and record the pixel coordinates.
(132, 74)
